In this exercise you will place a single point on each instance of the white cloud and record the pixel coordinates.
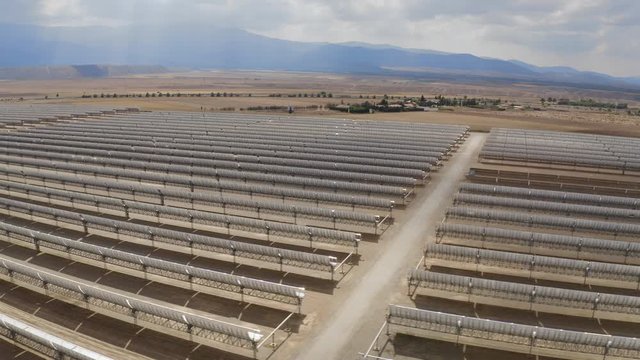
(595, 35)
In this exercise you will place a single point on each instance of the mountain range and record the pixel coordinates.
(210, 47)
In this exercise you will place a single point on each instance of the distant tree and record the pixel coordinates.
(147, 95)
(305, 95)
(330, 95)
(542, 101)
(57, 95)
(168, 95)
(46, 97)
(115, 95)
(153, 94)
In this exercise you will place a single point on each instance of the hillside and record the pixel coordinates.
(209, 47)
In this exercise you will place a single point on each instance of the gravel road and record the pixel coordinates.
(354, 321)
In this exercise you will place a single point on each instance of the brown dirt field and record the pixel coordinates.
(344, 88)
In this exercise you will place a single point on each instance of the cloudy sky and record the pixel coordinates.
(597, 35)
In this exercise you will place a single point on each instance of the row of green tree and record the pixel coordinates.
(463, 101)
(161, 94)
(592, 104)
(322, 94)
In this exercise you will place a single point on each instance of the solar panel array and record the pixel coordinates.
(556, 148)
(539, 340)
(140, 308)
(528, 296)
(149, 265)
(537, 242)
(12, 115)
(44, 343)
(246, 209)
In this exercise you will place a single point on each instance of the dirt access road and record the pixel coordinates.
(355, 320)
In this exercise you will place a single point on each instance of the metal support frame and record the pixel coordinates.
(341, 265)
(374, 345)
(272, 336)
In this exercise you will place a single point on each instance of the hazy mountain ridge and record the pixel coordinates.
(60, 72)
(201, 47)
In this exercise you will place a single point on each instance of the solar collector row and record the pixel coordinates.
(514, 337)
(189, 240)
(563, 196)
(584, 248)
(191, 184)
(554, 178)
(549, 147)
(624, 145)
(312, 234)
(263, 164)
(534, 266)
(44, 343)
(619, 144)
(256, 155)
(192, 274)
(529, 297)
(115, 167)
(300, 123)
(285, 118)
(559, 159)
(292, 138)
(194, 324)
(182, 196)
(547, 206)
(273, 131)
(526, 219)
(564, 136)
(542, 150)
(246, 146)
(197, 216)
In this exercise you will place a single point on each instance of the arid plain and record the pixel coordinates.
(257, 89)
